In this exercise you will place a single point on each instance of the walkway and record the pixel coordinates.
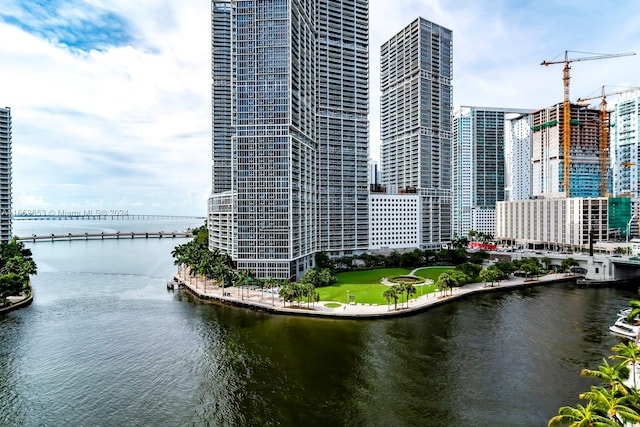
(270, 302)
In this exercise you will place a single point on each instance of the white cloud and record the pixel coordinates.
(130, 124)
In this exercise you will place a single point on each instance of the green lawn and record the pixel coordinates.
(432, 272)
(365, 285)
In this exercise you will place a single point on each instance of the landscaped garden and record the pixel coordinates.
(365, 287)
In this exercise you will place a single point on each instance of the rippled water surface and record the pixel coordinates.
(105, 344)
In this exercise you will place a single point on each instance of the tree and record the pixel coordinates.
(505, 267)
(580, 416)
(546, 261)
(627, 354)
(567, 264)
(615, 407)
(446, 281)
(408, 288)
(471, 270)
(322, 260)
(634, 311)
(613, 375)
(318, 277)
(391, 293)
(11, 284)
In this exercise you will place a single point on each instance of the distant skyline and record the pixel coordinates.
(111, 99)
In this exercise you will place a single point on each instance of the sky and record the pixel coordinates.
(110, 99)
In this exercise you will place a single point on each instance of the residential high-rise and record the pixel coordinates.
(548, 152)
(478, 165)
(625, 139)
(290, 132)
(5, 174)
(415, 117)
(517, 158)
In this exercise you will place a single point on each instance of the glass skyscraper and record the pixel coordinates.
(290, 132)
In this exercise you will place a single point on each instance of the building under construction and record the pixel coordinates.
(548, 155)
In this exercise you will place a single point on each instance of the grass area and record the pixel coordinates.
(369, 276)
(366, 287)
(432, 272)
(332, 305)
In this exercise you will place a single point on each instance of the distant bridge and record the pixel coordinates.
(99, 217)
(102, 236)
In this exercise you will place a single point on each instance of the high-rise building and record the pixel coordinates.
(415, 117)
(5, 174)
(548, 152)
(478, 166)
(625, 138)
(517, 158)
(290, 132)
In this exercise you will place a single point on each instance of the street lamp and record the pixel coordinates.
(347, 296)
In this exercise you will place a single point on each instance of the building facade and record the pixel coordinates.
(478, 166)
(5, 174)
(554, 223)
(396, 221)
(624, 144)
(517, 158)
(415, 117)
(548, 154)
(290, 132)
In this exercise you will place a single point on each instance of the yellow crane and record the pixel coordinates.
(566, 115)
(604, 133)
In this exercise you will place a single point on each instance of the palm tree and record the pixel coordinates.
(634, 305)
(485, 276)
(580, 416)
(391, 293)
(410, 289)
(616, 407)
(446, 281)
(613, 375)
(628, 354)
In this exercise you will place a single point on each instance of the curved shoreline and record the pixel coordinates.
(20, 304)
(255, 300)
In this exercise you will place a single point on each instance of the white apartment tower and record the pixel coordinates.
(517, 158)
(625, 139)
(290, 132)
(478, 166)
(5, 174)
(416, 73)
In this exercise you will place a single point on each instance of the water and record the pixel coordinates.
(105, 344)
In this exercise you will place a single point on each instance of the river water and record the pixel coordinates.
(105, 344)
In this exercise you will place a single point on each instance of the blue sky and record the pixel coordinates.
(111, 99)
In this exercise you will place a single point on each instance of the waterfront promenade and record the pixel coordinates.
(270, 302)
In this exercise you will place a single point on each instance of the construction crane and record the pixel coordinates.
(604, 133)
(566, 115)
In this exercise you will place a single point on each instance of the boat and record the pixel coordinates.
(624, 330)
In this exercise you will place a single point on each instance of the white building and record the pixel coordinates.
(5, 174)
(625, 138)
(415, 121)
(517, 158)
(554, 223)
(395, 221)
(290, 132)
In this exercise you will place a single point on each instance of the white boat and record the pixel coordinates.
(623, 329)
(624, 312)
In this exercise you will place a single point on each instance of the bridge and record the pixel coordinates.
(102, 216)
(601, 267)
(102, 236)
